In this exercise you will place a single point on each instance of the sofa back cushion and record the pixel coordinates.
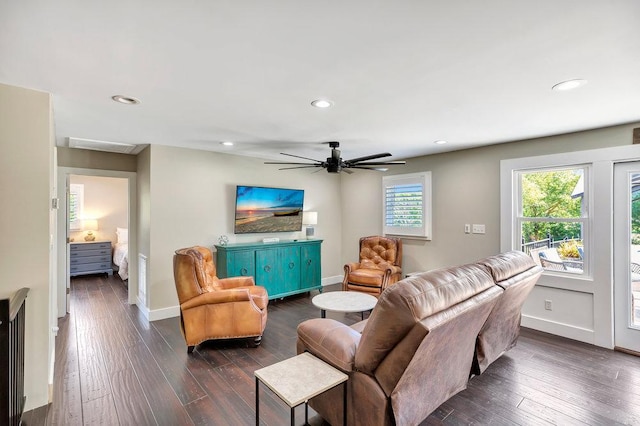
(517, 274)
(505, 266)
(408, 302)
(439, 367)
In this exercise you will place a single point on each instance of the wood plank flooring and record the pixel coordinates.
(114, 368)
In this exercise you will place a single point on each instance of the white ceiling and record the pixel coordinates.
(401, 74)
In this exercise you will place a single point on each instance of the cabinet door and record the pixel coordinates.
(278, 269)
(267, 267)
(310, 268)
(241, 264)
(290, 258)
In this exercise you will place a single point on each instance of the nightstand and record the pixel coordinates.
(91, 257)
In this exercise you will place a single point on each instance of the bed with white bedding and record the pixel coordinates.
(121, 252)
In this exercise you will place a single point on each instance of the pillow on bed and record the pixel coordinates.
(123, 235)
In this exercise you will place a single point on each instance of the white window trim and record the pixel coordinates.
(78, 189)
(600, 284)
(423, 178)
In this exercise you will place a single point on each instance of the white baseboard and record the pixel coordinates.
(174, 311)
(336, 279)
(559, 329)
(160, 314)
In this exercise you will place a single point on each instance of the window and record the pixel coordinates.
(407, 205)
(76, 204)
(552, 217)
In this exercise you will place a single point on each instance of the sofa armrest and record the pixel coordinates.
(329, 340)
(221, 296)
(233, 282)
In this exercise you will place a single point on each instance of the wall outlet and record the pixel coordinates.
(467, 228)
(478, 228)
(547, 305)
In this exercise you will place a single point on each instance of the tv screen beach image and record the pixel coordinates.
(263, 210)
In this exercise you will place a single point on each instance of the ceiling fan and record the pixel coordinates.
(335, 163)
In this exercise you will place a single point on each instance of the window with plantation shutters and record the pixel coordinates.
(407, 205)
(76, 202)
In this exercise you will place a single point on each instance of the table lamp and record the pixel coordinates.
(310, 219)
(90, 225)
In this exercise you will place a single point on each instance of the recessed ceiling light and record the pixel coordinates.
(569, 85)
(125, 100)
(226, 143)
(440, 142)
(321, 103)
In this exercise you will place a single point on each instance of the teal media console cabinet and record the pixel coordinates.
(283, 268)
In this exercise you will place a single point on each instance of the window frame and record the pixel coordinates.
(584, 219)
(424, 180)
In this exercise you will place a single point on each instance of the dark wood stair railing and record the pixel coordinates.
(12, 318)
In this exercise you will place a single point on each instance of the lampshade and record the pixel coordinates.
(309, 218)
(89, 224)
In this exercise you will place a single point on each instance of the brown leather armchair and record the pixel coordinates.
(380, 265)
(216, 308)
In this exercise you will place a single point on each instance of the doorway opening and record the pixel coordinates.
(98, 208)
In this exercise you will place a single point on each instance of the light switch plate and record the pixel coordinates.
(478, 228)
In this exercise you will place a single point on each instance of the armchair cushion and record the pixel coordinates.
(366, 276)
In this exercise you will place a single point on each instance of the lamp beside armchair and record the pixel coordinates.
(216, 308)
(379, 266)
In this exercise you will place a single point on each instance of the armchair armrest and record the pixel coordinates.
(214, 297)
(233, 282)
(393, 269)
(329, 340)
(352, 266)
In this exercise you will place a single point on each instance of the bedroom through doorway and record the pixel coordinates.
(98, 226)
(95, 229)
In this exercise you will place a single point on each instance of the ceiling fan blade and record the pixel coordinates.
(298, 164)
(382, 163)
(380, 169)
(304, 158)
(299, 167)
(368, 157)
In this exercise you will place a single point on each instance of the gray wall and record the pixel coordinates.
(466, 189)
(26, 157)
(190, 202)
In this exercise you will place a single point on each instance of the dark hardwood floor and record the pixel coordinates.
(113, 367)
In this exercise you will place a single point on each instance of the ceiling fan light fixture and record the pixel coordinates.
(127, 100)
(321, 103)
(569, 85)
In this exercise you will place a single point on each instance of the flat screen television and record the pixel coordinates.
(262, 210)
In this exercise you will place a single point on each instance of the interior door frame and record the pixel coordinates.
(626, 338)
(62, 246)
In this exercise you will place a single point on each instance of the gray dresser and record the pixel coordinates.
(91, 257)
